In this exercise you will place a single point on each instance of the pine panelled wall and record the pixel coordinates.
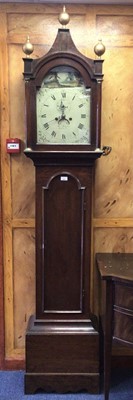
(113, 181)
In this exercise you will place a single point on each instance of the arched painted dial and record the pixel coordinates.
(63, 114)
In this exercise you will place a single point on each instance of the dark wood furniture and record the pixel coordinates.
(62, 341)
(116, 310)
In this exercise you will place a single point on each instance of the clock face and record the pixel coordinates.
(63, 108)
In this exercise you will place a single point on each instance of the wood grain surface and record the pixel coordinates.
(113, 183)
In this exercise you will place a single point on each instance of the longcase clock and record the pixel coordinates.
(63, 108)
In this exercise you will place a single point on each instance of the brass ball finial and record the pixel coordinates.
(28, 47)
(99, 48)
(64, 17)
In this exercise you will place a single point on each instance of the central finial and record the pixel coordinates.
(64, 17)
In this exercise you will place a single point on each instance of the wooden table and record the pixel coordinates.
(116, 311)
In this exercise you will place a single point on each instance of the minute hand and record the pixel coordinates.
(52, 120)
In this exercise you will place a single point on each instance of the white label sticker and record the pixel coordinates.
(13, 146)
(64, 178)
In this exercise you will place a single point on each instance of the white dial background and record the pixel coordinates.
(63, 115)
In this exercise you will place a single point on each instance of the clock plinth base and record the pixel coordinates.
(61, 357)
(61, 383)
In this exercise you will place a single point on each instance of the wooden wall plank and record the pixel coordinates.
(114, 173)
(24, 282)
(113, 204)
(115, 24)
(113, 222)
(23, 223)
(2, 330)
(114, 240)
(6, 189)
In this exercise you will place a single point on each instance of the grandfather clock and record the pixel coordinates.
(63, 108)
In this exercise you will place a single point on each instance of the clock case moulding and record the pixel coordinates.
(63, 53)
(62, 348)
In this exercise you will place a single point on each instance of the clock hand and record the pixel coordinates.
(63, 118)
(62, 107)
(58, 119)
(52, 120)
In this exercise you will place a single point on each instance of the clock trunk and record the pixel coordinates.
(63, 242)
(62, 344)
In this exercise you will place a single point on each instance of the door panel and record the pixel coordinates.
(63, 241)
